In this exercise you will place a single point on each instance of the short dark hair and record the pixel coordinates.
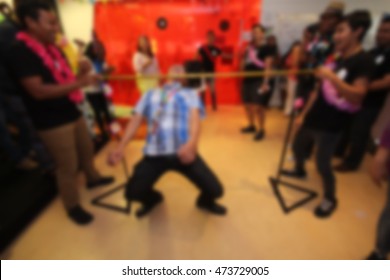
(359, 19)
(210, 33)
(30, 9)
(385, 18)
(312, 28)
(258, 25)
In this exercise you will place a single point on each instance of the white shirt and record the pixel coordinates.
(139, 59)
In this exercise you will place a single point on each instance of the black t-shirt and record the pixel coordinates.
(8, 30)
(45, 114)
(327, 117)
(262, 53)
(209, 54)
(316, 54)
(376, 99)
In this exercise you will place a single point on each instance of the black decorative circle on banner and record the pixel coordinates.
(162, 23)
(224, 25)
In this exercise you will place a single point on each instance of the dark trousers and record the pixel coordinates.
(383, 234)
(101, 111)
(354, 141)
(326, 143)
(12, 110)
(211, 85)
(150, 169)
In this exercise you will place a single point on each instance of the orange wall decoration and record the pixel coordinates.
(119, 24)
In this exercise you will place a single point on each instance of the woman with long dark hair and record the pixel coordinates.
(145, 63)
(256, 91)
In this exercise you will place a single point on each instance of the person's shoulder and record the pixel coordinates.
(268, 48)
(365, 57)
(387, 54)
(19, 48)
(188, 92)
(201, 48)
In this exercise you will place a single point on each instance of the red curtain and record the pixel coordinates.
(120, 24)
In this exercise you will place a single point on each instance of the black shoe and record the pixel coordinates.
(147, 208)
(213, 208)
(298, 174)
(248, 129)
(80, 216)
(375, 256)
(259, 135)
(344, 168)
(101, 182)
(326, 208)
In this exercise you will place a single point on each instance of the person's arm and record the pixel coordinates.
(140, 66)
(296, 54)
(309, 104)
(187, 153)
(117, 155)
(353, 93)
(130, 130)
(381, 84)
(378, 170)
(267, 73)
(108, 69)
(41, 91)
(146, 64)
(139, 114)
(194, 128)
(198, 55)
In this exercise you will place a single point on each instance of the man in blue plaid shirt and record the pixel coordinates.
(173, 113)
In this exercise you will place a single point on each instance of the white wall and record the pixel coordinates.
(77, 19)
(289, 17)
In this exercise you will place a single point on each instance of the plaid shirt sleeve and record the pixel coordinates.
(194, 102)
(143, 104)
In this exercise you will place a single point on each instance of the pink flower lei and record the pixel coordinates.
(54, 61)
(332, 96)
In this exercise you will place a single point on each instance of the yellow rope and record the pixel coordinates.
(272, 73)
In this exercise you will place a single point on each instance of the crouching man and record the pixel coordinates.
(173, 113)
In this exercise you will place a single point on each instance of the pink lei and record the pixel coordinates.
(332, 96)
(252, 53)
(54, 61)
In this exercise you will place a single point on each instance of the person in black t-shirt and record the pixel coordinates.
(256, 91)
(320, 48)
(208, 55)
(344, 83)
(357, 138)
(50, 92)
(12, 107)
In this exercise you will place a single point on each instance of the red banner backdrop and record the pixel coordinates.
(120, 24)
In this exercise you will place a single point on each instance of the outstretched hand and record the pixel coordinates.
(324, 73)
(187, 153)
(378, 171)
(115, 156)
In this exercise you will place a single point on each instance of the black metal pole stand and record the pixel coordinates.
(277, 182)
(98, 201)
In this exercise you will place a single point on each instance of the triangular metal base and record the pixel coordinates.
(99, 203)
(276, 184)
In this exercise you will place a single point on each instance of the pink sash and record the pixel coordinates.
(333, 98)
